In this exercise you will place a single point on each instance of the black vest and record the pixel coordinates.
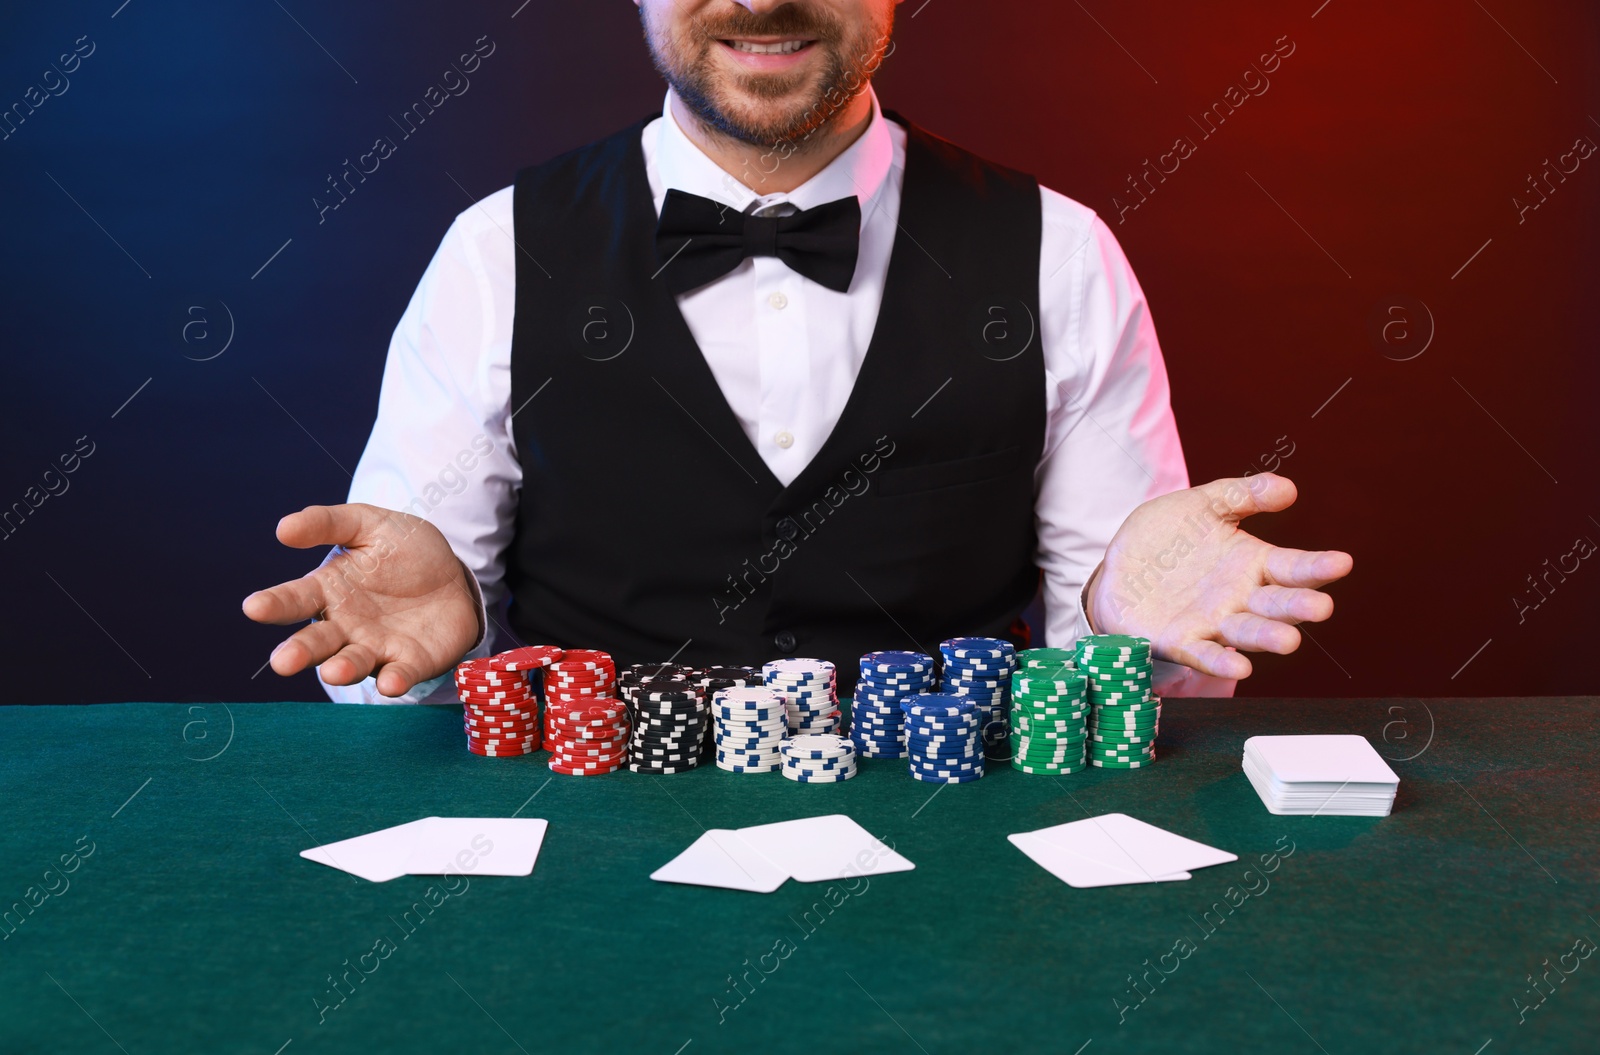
(648, 525)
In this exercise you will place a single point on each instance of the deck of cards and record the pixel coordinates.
(1337, 775)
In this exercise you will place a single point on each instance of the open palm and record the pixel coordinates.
(391, 598)
(1183, 573)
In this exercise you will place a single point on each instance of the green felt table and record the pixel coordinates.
(190, 923)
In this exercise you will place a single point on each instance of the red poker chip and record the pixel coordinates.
(492, 714)
(529, 657)
(556, 740)
(495, 690)
(507, 720)
(575, 753)
(499, 752)
(481, 699)
(505, 745)
(503, 732)
(577, 771)
(514, 682)
(552, 681)
(584, 659)
(493, 686)
(587, 732)
(501, 717)
(589, 761)
(588, 716)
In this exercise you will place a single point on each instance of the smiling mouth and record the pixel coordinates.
(781, 47)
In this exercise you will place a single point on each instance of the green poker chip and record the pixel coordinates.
(1101, 763)
(1049, 771)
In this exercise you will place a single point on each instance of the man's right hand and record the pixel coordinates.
(391, 598)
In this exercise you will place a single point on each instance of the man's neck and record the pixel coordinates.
(782, 167)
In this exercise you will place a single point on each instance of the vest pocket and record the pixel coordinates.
(911, 479)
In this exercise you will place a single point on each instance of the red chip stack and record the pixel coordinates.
(586, 726)
(501, 708)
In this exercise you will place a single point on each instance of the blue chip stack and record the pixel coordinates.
(942, 739)
(809, 691)
(888, 679)
(980, 669)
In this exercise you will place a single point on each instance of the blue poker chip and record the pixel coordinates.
(929, 779)
(962, 762)
(962, 710)
(976, 646)
(896, 660)
(958, 721)
(922, 725)
(966, 750)
(965, 758)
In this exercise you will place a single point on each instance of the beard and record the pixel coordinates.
(764, 109)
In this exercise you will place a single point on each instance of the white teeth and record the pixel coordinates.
(784, 48)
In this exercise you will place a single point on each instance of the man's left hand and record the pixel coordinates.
(1181, 572)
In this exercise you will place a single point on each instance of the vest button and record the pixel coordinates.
(785, 640)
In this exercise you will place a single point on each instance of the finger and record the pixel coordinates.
(1250, 632)
(307, 647)
(1209, 657)
(341, 525)
(1290, 605)
(1241, 496)
(350, 664)
(396, 678)
(288, 602)
(1298, 567)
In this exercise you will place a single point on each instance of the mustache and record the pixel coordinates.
(790, 20)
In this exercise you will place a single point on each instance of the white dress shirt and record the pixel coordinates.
(785, 352)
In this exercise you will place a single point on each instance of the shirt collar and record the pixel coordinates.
(860, 170)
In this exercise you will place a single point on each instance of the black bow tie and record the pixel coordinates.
(699, 240)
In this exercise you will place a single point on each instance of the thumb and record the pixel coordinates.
(341, 525)
(1241, 496)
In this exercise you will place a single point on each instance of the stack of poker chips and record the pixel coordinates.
(1048, 713)
(586, 726)
(888, 679)
(669, 726)
(713, 680)
(1125, 711)
(638, 673)
(809, 691)
(749, 723)
(943, 742)
(500, 705)
(587, 739)
(980, 668)
(819, 758)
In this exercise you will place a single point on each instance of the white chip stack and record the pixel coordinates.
(1332, 775)
(750, 723)
(809, 691)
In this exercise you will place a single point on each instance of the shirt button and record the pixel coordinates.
(785, 641)
(778, 301)
(784, 440)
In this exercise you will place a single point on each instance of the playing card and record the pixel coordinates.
(1128, 844)
(721, 858)
(377, 856)
(1080, 871)
(476, 846)
(815, 849)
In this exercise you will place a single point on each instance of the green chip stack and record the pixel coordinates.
(1124, 711)
(1048, 713)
